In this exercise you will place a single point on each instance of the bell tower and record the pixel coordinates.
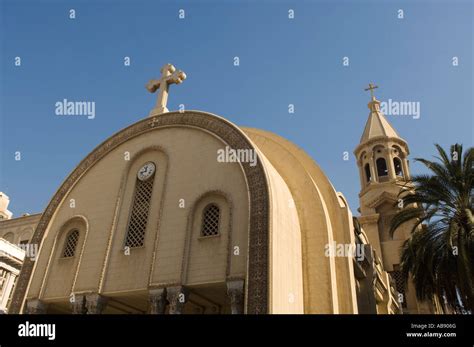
(382, 159)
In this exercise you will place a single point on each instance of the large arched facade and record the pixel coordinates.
(257, 267)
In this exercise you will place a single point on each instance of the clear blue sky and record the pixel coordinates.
(282, 61)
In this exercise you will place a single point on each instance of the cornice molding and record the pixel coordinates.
(381, 140)
(368, 219)
(381, 198)
(4, 223)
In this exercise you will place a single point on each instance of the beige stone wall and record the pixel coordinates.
(199, 250)
(186, 169)
(286, 266)
(347, 287)
(60, 276)
(322, 221)
(19, 229)
(376, 201)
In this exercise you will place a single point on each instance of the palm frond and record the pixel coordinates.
(438, 256)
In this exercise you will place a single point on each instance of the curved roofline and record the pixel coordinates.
(291, 147)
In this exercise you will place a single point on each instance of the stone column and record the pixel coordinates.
(78, 304)
(390, 167)
(235, 292)
(363, 180)
(7, 289)
(36, 306)
(373, 169)
(177, 298)
(406, 172)
(3, 289)
(157, 301)
(95, 303)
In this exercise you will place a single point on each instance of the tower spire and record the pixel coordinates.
(376, 124)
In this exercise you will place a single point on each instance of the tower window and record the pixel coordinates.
(381, 167)
(140, 209)
(368, 176)
(71, 243)
(399, 283)
(210, 220)
(397, 164)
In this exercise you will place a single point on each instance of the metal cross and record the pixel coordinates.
(371, 88)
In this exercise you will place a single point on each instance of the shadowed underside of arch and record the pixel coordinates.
(257, 290)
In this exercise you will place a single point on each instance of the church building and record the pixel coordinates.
(186, 212)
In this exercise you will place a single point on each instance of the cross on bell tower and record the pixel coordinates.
(169, 75)
(371, 87)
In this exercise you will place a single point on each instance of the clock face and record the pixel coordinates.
(146, 171)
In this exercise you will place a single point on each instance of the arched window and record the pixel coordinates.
(381, 167)
(70, 244)
(397, 164)
(368, 176)
(25, 237)
(210, 220)
(140, 206)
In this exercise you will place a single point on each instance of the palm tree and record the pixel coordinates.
(439, 254)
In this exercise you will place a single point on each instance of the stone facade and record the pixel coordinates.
(263, 251)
